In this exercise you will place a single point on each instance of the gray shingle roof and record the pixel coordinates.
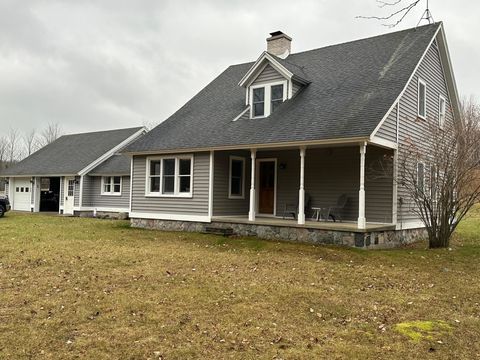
(118, 164)
(352, 87)
(70, 153)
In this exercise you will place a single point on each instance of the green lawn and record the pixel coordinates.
(86, 288)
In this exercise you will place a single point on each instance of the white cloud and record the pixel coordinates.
(104, 64)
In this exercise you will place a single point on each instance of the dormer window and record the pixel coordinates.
(266, 98)
(259, 102)
(277, 96)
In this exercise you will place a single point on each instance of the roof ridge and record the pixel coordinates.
(102, 131)
(367, 38)
(345, 43)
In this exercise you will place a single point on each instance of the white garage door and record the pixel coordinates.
(21, 194)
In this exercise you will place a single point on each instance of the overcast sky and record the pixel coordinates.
(103, 64)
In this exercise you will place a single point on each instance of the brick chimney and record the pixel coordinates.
(279, 44)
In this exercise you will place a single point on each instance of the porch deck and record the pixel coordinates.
(309, 224)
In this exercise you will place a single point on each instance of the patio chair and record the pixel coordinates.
(292, 209)
(335, 211)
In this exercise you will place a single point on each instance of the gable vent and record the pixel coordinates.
(279, 44)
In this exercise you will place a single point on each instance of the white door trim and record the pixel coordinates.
(67, 208)
(257, 188)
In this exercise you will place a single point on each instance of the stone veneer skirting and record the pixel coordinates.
(366, 240)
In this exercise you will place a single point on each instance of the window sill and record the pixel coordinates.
(178, 196)
(236, 197)
(421, 118)
(111, 194)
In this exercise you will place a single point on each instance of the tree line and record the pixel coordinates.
(17, 145)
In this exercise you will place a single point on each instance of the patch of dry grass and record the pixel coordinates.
(84, 288)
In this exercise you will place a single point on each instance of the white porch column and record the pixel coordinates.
(362, 223)
(301, 192)
(251, 213)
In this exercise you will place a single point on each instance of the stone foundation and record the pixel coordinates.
(103, 215)
(366, 240)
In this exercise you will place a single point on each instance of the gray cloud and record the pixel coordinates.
(92, 65)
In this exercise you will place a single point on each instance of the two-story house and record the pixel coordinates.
(282, 146)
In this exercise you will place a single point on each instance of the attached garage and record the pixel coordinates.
(21, 194)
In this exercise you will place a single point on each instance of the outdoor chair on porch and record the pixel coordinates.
(292, 209)
(335, 211)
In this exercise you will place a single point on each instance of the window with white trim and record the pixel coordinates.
(170, 176)
(265, 98)
(442, 108)
(111, 185)
(422, 99)
(420, 177)
(258, 102)
(276, 97)
(236, 188)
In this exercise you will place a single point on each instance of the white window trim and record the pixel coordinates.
(176, 193)
(441, 122)
(112, 192)
(230, 195)
(267, 98)
(420, 81)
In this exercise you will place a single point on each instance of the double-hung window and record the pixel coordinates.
(265, 99)
(237, 178)
(276, 96)
(422, 99)
(442, 107)
(259, 102)
(111, 185)
(170, 176)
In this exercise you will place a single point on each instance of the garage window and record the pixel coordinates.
(111, 185)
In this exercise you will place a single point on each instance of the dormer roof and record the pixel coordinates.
(288, 70)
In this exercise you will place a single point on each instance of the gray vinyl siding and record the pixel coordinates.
(388, 130)
(269, 74)
(76, 192)
(331, 172)
(62, 190)
(412, 129)
(92, 197)
(378, 186)
(7, 188)
(197, 205)
(222, 205)
(296, 88)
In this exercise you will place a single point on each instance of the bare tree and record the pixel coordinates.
(443, 182)
(398, 11)
(14, 152)
(30, 142)
(3, 152)
(51, 133)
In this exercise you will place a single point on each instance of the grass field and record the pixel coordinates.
(85, 288)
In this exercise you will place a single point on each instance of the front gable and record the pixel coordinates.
(435, 71)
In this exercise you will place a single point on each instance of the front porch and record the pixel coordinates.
(269, 187)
